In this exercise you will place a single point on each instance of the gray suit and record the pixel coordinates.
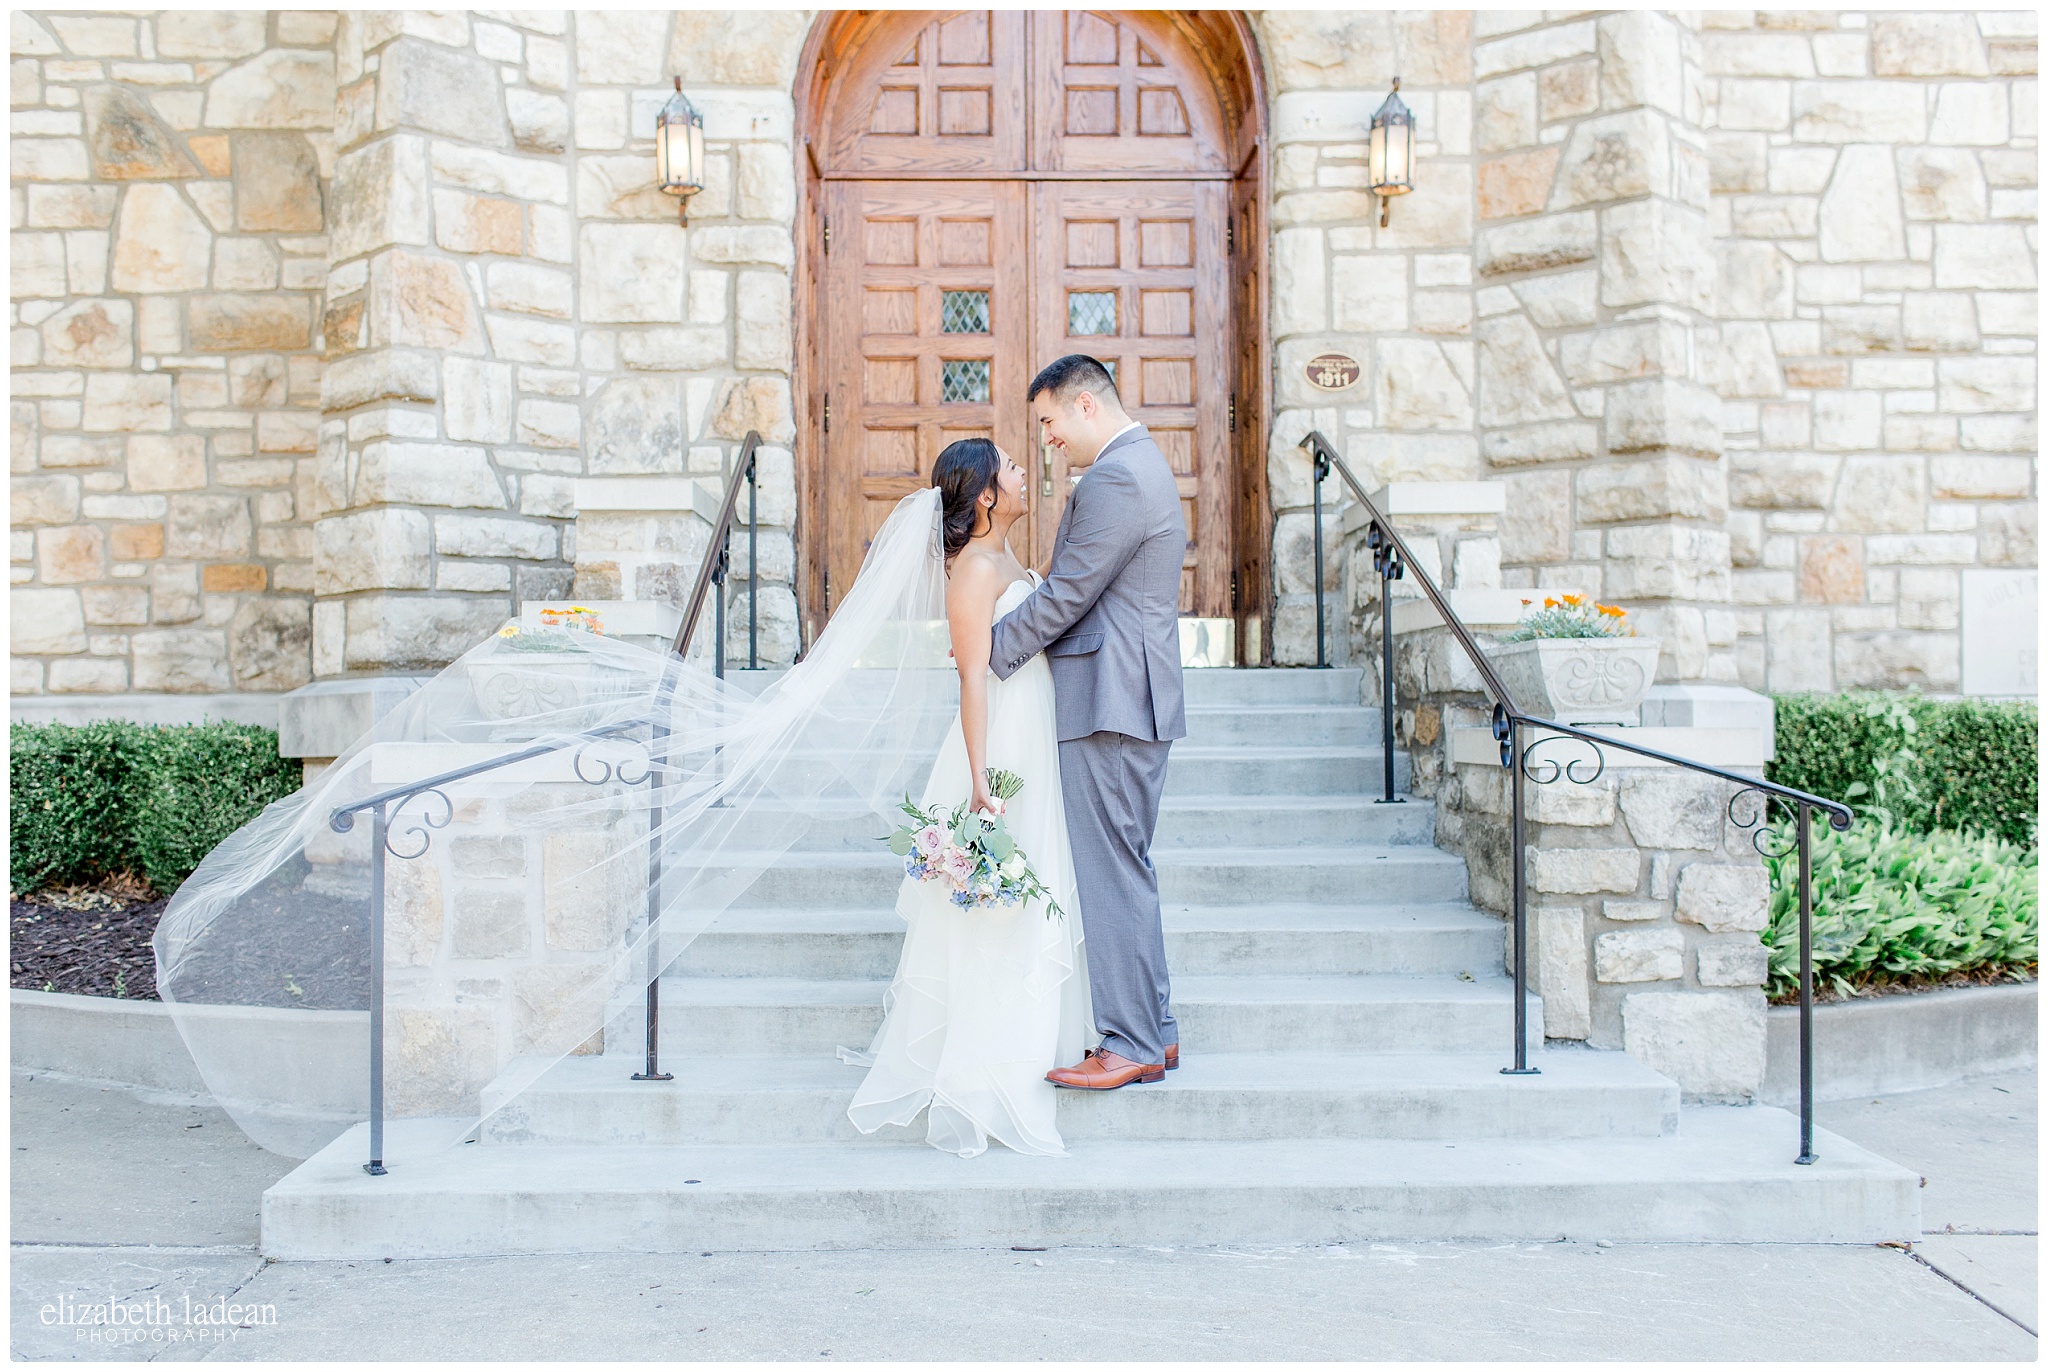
(1108, 620)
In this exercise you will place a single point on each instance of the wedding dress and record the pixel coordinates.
(985, 1001)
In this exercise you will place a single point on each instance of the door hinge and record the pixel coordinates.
(828, 235)
(1233, 411)
(1233, 592)
(828, 414)
(1230, 236)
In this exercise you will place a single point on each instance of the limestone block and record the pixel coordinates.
(549, 424)
(1554, 240)
(592, 885)
(519, 338)
(388, 374)
(693, 349)
(488, 857)
(1711, 1043)
(177, 660)
(128, 142)
(1517, 384)
(758, 403)
(478, 405)
(423, 85)
(1978, 256)
(374, 549)
(706, 47)
(475, 536)
(1736, 960)
(45, 621)
(1655, 251)
(422, 302)
(490, 922)
(380, 196)
(1625, 352)
(1504, 113)
(1436, 214)
(1671, 809)
(496, 173)
(1663, 487)
(636, 426)
(530, 289)
(1662, 413)
(1830, 571)
(270, 643)
(1328, 49)
(1942, 183)
(1641, 62)
(1633, 911)
(1584, 871)
(632, 273)
(1665, 562)
(1560, 972)
(244, 322)
(1749, 366)
(76, 553)
(1560, 442)
(1881, 494)
(1926, 45)
(1981, 478)
(1858, 112)
(539, 123)
(1614, 157)
(1537, 526)
(1968, 385)
(1416, 387)
(1890, 661)
(1859, 215)
(437, 1059)
(1756, 54)
(1722, 897)
(427, 474)
(1560, 300)
(284, 88)
(555, 1004)
(1753, 281)
(626, 48)
(1300, 300)
(117, 402)
(90, 333)
(743, 246)
(209, 33)
(2006, 535)
(414, 632)
(160, 242)
(1639, 955)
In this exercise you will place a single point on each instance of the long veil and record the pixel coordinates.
(550, 821)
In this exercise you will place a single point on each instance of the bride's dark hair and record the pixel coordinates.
(964, 471)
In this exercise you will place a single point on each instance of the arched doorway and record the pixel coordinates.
(987, 190)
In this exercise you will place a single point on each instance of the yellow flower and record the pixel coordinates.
(1548, 603)
(1575, 600)
(509, 631)
(1614, 611)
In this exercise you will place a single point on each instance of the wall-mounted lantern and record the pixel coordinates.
(679, 150)
(1391, 151)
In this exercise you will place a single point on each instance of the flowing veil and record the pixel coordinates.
(551, 820)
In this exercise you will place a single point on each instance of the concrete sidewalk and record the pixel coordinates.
(120, 1195)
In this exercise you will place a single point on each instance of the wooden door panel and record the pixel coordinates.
(928, 330)
(1133, 273)
(949, 96)
(1121, 92)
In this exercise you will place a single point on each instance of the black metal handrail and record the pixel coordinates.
(384, 805)
(1513, 727)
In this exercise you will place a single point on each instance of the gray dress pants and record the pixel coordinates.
(1112, 783)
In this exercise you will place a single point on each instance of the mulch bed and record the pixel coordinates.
(86, 943)
(1824, 992)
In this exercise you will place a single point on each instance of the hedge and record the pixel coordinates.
(91, 800)
(1890, 905)
(1967, 765)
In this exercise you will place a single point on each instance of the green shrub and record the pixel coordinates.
(94, 799)
(1889, 904)
(1931, 764)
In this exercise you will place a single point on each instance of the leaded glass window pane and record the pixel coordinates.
(963, 312)
(964, 383)
(1091, 313)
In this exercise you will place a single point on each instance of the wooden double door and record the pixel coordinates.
(945, 279)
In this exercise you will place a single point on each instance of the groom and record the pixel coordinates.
(1107, 618)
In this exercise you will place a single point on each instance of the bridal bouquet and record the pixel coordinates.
(974, 855)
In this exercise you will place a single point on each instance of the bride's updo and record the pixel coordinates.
(963, 473)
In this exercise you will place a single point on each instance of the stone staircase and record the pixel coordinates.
(1344, 1019)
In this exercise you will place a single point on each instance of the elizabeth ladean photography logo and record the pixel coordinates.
(152, 1319)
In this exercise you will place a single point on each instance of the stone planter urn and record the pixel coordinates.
(518, 685)
(1579, 680)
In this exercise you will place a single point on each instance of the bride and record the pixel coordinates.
(985, 1001)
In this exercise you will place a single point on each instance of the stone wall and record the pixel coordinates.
(1740, 306)
(169, 246)
(1874, 201)
(513, 305)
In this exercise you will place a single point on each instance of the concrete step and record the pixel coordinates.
(592, 1100)
(1190, 821)
(1218, 686)
(1278, 940)
(1411, 872)
(1299, 726)
(1726, 1176)
(1194, 770)
(790, 1016)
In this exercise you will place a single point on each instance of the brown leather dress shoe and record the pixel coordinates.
(1105, 1072)
(1173, 1057)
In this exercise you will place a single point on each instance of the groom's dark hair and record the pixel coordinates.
(1072, 374)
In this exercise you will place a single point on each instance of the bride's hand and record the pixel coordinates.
(983, 800)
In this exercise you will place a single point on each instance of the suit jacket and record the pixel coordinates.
(1108, 613)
